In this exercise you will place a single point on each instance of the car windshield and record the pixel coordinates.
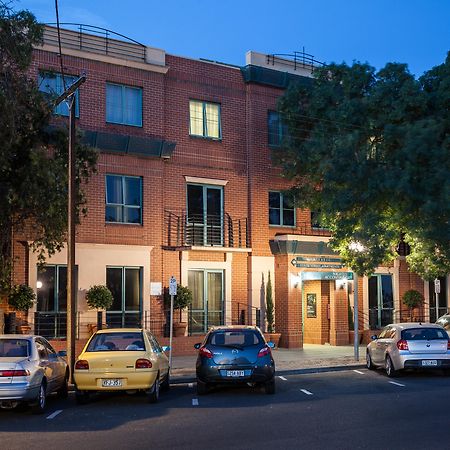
(233, 338)
(12, 348)
(444, 322)
(422, 334)
(118, 341)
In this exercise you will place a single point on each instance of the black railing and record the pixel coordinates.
(247, 315)
(296, 60)
(205, 230)
(51, 325)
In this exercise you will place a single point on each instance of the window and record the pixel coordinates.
(277, 129)
(123, 199)
(52, 289)
(204, 119)
(381, 301)
(52, 84)
(123, 104)
(281, 210)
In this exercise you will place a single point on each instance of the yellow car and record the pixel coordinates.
(122, 359)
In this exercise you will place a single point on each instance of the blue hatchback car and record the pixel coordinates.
(235, 355)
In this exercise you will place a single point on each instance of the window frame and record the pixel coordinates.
(124, 87)
(124, 205)
(281, 130)
(281, 209)
(204, 120)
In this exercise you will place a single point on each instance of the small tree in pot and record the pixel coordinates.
(180, 301)
(412, 299)
(21, 297)
(99, 297)
(270, 316)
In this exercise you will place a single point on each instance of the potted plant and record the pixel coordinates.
(180, 301)
(21, 298)
(99, 297)
(412, 299)
(271, 334)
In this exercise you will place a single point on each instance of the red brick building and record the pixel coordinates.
(185, 187)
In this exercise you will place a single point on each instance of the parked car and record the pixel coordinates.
(444, 322)
(30, 370)
(409, 346)
(123, 359)
(235, 355)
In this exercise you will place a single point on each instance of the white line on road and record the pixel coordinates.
(282, 378)
(53, 415)
(191, 385)
(358, 371)
(397, 384)
(195, 402)
(306, 392)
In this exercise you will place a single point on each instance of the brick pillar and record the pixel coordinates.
(338, 315)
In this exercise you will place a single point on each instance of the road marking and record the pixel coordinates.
(53, 415)
(358, 371)
(195, 402)
(282, 378)
(191, 385)
(397, 384)
(306, 392)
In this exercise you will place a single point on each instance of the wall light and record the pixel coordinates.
(39, 284)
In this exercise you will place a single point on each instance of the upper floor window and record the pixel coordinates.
(123, 104)
(204, 119)
(277, 129)
(52, 83)
(281, 210)
(123, 199)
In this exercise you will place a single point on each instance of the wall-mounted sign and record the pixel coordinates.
(317, 259)
(317, 262)
(318, 266)
(311, 305)
(155, 288)
(307, 276)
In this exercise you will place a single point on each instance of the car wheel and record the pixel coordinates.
(269, 387)
(63, 391)
(389, 366)
(202, 387)
(38, 406)
(369, 362)
(153, 395)
(165, 385)
(81, 397)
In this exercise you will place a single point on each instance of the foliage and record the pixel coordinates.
(21, 297)
(370, 150)
(33, 159)
(183, 298)
(269, 306)
(412, 299)
(99, 297)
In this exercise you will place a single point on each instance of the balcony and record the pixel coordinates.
(205, 230)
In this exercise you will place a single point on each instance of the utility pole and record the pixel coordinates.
(69, 96)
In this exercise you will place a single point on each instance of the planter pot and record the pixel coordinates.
(273, 337)
(179, 329)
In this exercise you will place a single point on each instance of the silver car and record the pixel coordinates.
(409, 346)
(30, 369)
(444, 321)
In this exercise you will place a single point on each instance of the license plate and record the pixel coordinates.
(112, 383)
(235, 373)
(429, 362)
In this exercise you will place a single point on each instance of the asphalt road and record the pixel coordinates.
(350, 409)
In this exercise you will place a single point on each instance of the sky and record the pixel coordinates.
(415, 32)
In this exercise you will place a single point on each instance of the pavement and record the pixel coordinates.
(311, 358)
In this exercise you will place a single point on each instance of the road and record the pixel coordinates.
(352, 409)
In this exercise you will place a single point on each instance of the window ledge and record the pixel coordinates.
(205, 138)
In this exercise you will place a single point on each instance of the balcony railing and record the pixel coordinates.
(205, 230)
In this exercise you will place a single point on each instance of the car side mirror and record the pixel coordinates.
(270, 344)
(198, 345)
(62, 353)
(165, 348)
(374, 337)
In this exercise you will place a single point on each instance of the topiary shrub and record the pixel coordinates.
(270, 307)
(412, 299)
(21, 297)
(182, 300)
(99, 297)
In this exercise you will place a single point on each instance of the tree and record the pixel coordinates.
(33, 160)
(269, 307)
(371, 151)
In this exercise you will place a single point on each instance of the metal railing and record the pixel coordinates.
(245, 314)
(296, 60)
(205, 230)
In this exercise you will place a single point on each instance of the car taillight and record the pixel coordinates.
(205, 352)
(263, 352)
(402, 345)
(448, 344)
(82, 364)
(14, 373)
(143, 363)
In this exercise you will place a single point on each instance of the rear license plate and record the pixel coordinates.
(112, 383)
(429, 362)
(235, 373)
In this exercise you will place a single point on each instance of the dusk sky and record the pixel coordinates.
(416, 32)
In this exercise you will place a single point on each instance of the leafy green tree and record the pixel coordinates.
(371, 151)
(270, 307)
(33, 160)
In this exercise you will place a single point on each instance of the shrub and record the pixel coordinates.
(21, 297)
(99, 297)
(269, 307)
(412, 299)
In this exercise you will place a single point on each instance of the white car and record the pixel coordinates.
(30, 369)
(444, 321)
(409, 346)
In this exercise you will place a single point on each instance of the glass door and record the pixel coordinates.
(381, 301)
(207, 305)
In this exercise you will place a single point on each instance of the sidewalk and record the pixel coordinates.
(312, 358)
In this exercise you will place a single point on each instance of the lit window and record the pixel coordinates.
(281, 210)
(204, 119)
(123, 104)
(53, 85)
(123, 199)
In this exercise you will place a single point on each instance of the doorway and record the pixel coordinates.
(381, 301)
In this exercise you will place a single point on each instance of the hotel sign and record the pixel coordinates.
(307, 276)
(317, 262)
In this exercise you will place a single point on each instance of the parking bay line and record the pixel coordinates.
(306, 392)
(282, 378)
(191, 385)
(397, 384)
(195, 402)
(53, 415)
(358, 371)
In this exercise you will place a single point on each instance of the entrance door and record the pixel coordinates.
(207, 305)
(381, 301)
(442, 299)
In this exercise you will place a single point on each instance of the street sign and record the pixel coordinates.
(437, 286)
(172, 286)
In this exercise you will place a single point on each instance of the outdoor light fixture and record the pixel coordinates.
(38, 284)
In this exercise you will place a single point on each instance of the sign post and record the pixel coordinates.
(437, 291)
(172, 293)
(355, 316)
